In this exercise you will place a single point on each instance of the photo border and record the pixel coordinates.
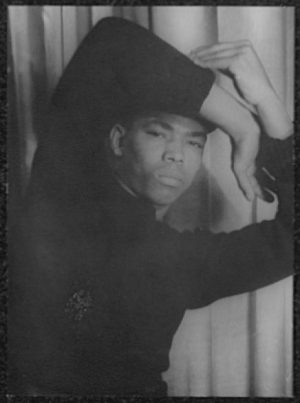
(4, 196)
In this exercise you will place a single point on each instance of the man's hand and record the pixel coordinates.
(222, 109)
(240, 61)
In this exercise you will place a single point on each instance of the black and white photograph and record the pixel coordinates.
(151, 200)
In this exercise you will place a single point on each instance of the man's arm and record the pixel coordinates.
(259, 254)
(240, 61)
(238, 122)
(214, 266)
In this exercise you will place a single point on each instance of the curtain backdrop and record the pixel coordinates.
(238, 346)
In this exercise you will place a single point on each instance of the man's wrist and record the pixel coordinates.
(267, 97)
(273, 115)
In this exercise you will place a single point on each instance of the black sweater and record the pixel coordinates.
(100, 308)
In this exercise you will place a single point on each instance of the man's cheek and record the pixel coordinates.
(191, 174)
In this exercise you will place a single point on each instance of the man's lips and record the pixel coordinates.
(170, 180)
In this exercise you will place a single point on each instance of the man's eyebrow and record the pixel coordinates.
(159, 122)
(197, 134)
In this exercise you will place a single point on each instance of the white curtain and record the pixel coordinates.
(238, 346)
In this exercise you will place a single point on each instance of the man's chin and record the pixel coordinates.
(165, 199)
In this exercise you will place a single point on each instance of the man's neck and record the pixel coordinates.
(160, 212)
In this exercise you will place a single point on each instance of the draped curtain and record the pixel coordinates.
(238, 346)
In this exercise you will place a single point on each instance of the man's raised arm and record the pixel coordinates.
(240, 61)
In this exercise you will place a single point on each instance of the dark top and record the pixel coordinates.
(95, 312)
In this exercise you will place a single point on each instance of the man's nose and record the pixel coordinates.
(174, 151)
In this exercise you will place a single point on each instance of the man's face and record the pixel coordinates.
(160, 156)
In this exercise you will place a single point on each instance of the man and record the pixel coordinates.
(99, 282)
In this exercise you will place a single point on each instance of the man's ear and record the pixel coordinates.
(116, 139)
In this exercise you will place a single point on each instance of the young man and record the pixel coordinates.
(99, 282)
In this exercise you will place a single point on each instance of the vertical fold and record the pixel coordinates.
(185, 27)
(289, 30)
(18, 19)
(69, 32)
(15, 144)
(268, 317)
(143, 16)
(190, 371)
(53, 42)
(99, 12)
(83, 21)
(30, 78)
(274, 303)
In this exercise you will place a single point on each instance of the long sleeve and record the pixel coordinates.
(259, 254)
(276, 156)
(199, 267)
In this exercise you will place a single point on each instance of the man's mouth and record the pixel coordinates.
(170, 180)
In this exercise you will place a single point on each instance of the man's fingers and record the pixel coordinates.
(267, 185)
(220, 46)
(216, 63)
(220, 54)
(208, 50)
(249, 184)
(244, 182)
(267, 182)
(255, 186)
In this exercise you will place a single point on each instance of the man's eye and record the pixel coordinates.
(196, 144)
(154, 133)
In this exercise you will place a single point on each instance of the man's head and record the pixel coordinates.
(127, 69)
(157, 156)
